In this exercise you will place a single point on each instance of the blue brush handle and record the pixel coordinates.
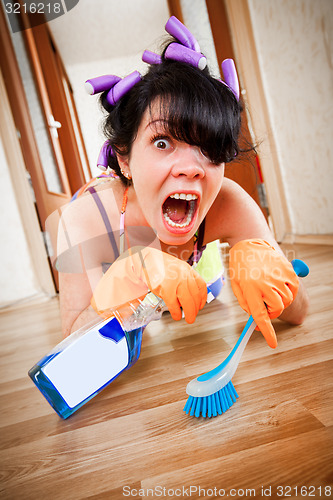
(215, 371)
(302, 270)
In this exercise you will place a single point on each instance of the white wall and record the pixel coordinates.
(17, 279)
(196, 19)
(294, 40)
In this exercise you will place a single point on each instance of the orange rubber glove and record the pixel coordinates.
(263, 281)
(142, 269)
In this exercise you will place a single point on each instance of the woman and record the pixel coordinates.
(170, 134)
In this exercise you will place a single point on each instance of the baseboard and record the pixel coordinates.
(310, 239)
(37, 298)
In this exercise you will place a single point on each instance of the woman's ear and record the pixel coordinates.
(124, 166)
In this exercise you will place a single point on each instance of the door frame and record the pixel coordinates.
(50, 79)
(23, 195)
(245, 170)
(254, 97)
(56, 98)
(246, 56)
(20, 110)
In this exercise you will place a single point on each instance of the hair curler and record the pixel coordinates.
(122, 87)
(116, 86)
(102, 161)
(101, 83)
(177, 29)
(150, 57)
(230, 76)
(178, 52)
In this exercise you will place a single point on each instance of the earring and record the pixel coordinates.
(125, 174)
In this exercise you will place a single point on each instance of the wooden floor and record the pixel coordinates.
(134, 440)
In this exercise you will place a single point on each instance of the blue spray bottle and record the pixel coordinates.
(88, 360)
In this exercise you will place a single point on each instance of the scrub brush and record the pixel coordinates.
(213, 393)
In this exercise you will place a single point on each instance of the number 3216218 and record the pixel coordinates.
(33, 8)
(304, 491)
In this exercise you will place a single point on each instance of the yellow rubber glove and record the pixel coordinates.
(142, 269)
(263, 281)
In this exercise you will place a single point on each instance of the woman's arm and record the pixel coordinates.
(234, 217)
(75, 295)
(296, 313)
(82, 245)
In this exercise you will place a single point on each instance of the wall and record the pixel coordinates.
(294, 40)
(17, 278)
(196, 18)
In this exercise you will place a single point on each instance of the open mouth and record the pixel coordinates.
(179, 209)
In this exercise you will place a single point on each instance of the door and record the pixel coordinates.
(44, 112)
(245, 171)
(43, 107)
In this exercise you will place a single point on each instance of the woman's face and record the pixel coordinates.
(174, 182)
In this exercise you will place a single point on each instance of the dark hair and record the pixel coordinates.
(196, 107)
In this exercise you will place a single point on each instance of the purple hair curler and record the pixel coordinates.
(122, 87)
(175, 28)
(101, 83)
(102, 161)
(180, 53)
(151, 58)
(230, 76)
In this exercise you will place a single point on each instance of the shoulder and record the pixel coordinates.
(218, 217)
(233, 213)
(82, 219)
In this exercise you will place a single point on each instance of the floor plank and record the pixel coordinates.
(134, 438)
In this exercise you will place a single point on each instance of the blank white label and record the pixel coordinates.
(86, 365)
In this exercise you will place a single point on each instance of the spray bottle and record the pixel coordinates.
(88, 360)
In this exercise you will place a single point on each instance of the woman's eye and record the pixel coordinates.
(162, 144)
(204, 155)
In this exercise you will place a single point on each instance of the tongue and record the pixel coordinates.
(175, 209)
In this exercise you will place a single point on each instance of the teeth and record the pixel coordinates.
(188, 218)
(184, 196)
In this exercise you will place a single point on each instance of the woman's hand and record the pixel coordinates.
(263, 281)
(136, 272)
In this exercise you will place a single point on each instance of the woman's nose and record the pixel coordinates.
(188, 162)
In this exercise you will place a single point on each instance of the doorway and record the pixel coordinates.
(43, 107)
(46, 121)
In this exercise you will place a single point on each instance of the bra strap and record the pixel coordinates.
(105, 218)
(122, 222)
